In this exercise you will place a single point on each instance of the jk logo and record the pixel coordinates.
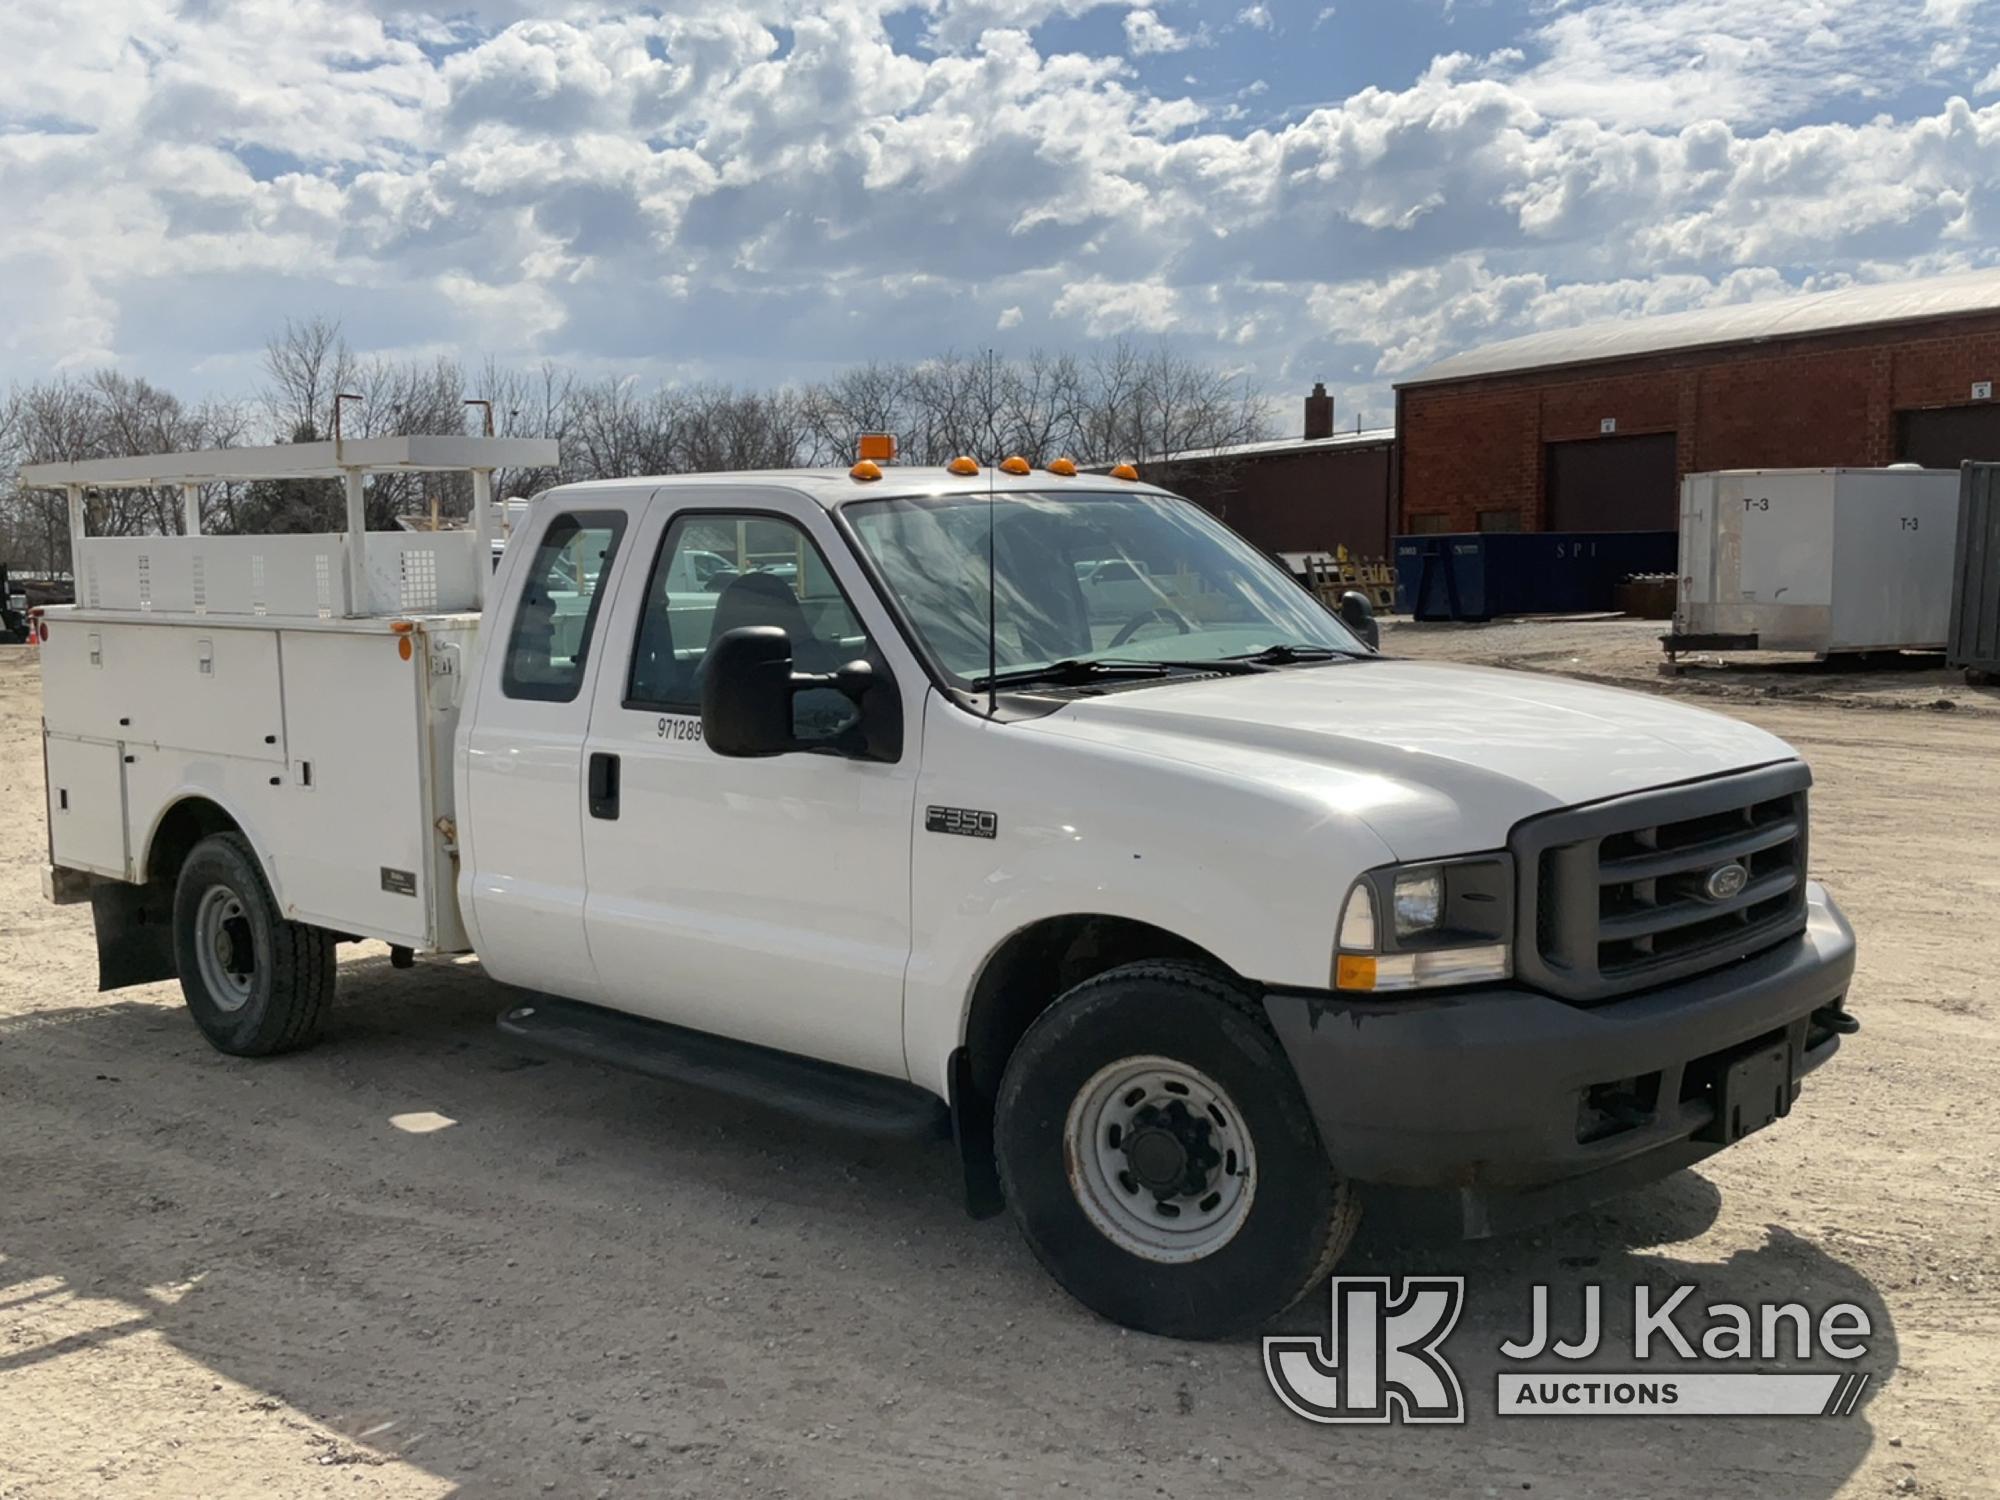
(1380, 1362)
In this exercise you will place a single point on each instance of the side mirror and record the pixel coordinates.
(1358, 615)
(746, 692)
(747, 688)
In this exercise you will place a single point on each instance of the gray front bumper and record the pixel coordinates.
(1479, 1090)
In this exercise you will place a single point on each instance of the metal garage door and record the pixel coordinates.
(1948, 436)
(1614, 484)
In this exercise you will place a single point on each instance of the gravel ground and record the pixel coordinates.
(228, 1278)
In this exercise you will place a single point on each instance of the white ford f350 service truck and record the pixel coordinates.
(1187, 912)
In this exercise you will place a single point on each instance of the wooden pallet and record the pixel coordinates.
(1372, 576)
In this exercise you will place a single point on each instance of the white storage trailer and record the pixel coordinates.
(291, 680)
(1819, 560)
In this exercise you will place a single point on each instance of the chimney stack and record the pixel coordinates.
(1319, 412)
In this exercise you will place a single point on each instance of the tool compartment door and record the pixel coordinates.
(208, 689)
(86, 784)
(352, 842)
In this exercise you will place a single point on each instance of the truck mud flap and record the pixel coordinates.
(135, 935)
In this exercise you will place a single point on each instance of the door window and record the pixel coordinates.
(558, 609)
(722, 572)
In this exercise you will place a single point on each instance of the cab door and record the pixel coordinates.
(767, 899)
(521, 761)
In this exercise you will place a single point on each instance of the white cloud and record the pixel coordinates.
(729, 188)
(1662, 63)
(1257, 17)
(1146, 34)
(1107, 308)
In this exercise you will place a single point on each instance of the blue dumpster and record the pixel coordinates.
(1475, 575)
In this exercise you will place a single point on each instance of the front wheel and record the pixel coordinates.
(255, 983)
(1160, 1158)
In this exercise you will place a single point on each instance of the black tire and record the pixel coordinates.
(287, 987)
(1301, 1215)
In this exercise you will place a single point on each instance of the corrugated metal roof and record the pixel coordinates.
(1368, 437)
(1738, 323)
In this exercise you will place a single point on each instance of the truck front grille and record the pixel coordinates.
(1647, 889)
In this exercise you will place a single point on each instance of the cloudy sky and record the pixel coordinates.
(756, 190)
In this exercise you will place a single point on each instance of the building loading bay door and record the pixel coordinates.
(1613, 484)
(1946, 437)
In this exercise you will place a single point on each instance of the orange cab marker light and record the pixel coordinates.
(963, 465)
(1014, 465)
(1124, 471)
(879, 447)
(402, 627)
(864, 471)
(1063, 466)
(1354, 972)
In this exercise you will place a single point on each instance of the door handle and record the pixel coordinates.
(603, 785)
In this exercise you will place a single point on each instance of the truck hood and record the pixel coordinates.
(1437, 758)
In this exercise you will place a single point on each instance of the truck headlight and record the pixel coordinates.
(1419, 900)
(1450, 922)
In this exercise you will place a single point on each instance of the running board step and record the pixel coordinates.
(821, 1092)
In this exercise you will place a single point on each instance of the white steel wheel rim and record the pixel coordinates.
(1120, 1169)
(224, 948)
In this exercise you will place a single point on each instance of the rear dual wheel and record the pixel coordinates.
(1159, 1155)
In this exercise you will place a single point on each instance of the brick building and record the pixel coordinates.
(1592, 429)
(1307, 494)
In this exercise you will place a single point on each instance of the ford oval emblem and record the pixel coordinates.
(1726, 882)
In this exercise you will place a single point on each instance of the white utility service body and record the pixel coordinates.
(1612, 936)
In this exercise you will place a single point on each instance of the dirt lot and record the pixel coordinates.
(224, 1278)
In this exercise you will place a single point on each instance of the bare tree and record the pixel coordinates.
(306, 365)
(1118, 402)
(536, 403)
(874, 397)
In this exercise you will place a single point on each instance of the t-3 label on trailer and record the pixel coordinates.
(966, 822)
(399, 882)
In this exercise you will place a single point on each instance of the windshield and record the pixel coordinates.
(1081, 577)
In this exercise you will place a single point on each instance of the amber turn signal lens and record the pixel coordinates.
(1355, 971)
(403, 647)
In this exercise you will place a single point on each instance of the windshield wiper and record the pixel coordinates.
(1286, 655)
(1076, 670)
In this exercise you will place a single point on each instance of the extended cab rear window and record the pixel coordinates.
(557, 613)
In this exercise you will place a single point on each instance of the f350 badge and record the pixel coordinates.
(966, 822)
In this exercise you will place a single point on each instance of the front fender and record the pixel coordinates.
(1251, 872)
